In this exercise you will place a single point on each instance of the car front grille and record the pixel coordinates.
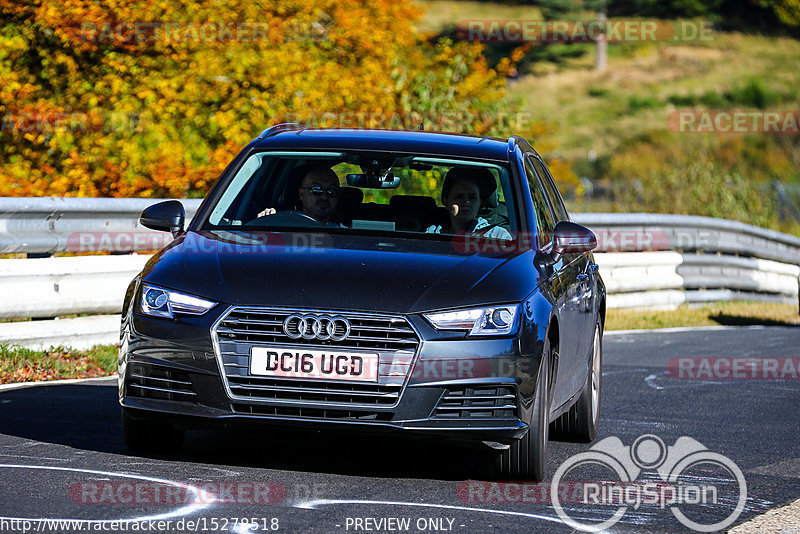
(150, 381)
(314, 391)
(259, 326)
(481, 402)
(242, 328)
(312, 413)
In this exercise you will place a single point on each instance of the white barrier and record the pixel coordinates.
(78, 333)
(646, 260)
(639, 271)
(668, 279)
(49, 287)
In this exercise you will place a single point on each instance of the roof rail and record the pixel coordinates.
(512, 143)
(283, 127)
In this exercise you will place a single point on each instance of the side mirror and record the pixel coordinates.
(165, 216)
(571, 238)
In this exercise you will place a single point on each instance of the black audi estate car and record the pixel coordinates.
(370, 281)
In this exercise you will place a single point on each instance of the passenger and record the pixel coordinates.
(463, 192)
(318, 194)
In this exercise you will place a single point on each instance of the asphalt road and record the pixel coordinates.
(61, 450)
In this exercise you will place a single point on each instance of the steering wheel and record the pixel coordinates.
(285, 218)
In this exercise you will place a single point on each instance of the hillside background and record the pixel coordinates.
(611, 127)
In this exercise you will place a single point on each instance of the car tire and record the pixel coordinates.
(142, 435)
(580, 423)
(526, 458)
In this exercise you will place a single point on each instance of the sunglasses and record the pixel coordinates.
(317, 190)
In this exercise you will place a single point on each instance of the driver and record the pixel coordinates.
(318, 194)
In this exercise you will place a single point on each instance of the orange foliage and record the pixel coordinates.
(154, 97)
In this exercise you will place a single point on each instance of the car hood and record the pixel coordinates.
(344, 272)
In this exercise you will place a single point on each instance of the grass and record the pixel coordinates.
(614, 126)
(19, 364)
(712, 314)
(599, 111)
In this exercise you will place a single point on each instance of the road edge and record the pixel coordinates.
(678, 329)
(19, 385)
(781, 519)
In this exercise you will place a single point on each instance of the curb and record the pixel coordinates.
(20, 385)
(678, 329)
(780, 519)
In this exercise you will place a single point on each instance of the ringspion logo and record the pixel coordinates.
(704, 490)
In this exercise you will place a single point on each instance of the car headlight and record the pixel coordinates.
(164, 302)
(489, 321)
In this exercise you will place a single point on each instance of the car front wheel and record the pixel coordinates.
(526, 459)
(580, 423)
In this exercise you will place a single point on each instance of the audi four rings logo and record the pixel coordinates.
(323, 328)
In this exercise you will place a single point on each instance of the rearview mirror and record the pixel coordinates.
(165, 216)
(374, 181)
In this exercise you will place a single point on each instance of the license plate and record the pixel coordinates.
(313, 364)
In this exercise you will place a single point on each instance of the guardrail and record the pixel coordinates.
(646, 260)
(655, 260)
(52, 224)
(52, 287)
(668, 279)
(636, 232)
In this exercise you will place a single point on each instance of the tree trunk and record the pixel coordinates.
(602, 46)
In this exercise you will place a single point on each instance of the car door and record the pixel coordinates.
(563, 285)
(584, 272)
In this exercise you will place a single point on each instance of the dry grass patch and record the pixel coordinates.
(19, 364)
(712, 314)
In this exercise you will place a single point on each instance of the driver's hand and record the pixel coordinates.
(267, 211)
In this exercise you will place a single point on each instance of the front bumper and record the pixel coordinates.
(461, 389)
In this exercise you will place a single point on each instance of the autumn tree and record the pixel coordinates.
(154, 97)
(787, 11)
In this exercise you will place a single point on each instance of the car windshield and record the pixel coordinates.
(420, 196)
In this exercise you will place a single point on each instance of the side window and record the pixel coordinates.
(550, 189)
(544, 217)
